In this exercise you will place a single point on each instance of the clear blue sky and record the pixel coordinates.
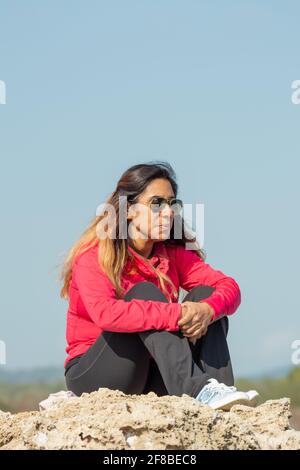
(94, 87)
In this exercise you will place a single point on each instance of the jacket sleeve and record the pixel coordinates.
(192, 271)
(112, 314)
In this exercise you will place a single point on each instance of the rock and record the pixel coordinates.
(54, 399)
(111, 420)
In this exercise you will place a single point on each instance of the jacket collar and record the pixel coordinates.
(159, 259)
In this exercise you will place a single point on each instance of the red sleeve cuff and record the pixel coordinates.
(175, 317)
(215, 304)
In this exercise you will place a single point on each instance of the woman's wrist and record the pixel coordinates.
(210, 309)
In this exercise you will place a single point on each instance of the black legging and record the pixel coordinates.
(164, 362)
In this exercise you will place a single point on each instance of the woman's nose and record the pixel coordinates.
(166, 214)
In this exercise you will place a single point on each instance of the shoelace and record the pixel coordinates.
(212, 389)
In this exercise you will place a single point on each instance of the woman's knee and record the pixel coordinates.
(199, 293)
(145, 290)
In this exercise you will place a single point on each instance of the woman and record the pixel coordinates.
(126, 329)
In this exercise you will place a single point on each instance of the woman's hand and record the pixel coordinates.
(195, 318)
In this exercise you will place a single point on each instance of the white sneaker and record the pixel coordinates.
(253, 397)
(220, 396)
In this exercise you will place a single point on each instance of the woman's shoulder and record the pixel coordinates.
(86, 256)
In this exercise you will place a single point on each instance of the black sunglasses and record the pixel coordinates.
(157, 204)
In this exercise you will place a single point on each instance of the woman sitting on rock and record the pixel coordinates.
(126, 328)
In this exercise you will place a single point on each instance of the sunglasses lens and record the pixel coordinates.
(157, 204)
(176, 205)
(155, 208)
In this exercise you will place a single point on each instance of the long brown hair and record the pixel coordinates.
(114, 251)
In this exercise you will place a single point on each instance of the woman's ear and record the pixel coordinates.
(129, 216)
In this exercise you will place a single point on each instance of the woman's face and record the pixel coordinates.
(144, 222)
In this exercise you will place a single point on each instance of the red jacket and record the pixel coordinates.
(93, 307)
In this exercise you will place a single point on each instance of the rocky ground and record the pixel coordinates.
(109, 419)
